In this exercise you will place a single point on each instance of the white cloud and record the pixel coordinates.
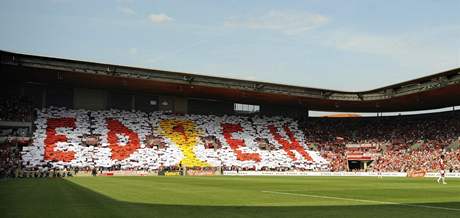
(159, 18)
(287, 22)
(126, 10)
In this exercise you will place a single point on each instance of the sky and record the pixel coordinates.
(351, 45)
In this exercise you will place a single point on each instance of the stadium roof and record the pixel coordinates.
(430, 92)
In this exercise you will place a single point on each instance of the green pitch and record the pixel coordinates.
(229, 197)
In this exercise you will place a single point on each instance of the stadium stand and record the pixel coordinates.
(403, 143)
(140, 141)
(104, 128)
(133, 140)
(137, 140)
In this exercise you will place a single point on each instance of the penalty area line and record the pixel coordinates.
(362, 200)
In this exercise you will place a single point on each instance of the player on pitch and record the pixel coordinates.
(442, 172)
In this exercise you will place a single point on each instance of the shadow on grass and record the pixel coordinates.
(62, 198)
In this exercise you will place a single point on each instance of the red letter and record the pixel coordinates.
(52, 139)
(289, 146)
(235, 144)
(120, 152)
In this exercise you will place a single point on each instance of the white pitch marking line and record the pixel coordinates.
(362, 200)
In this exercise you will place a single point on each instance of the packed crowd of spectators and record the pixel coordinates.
(16, 108)
(406, 142)
(10, 160)
(11, 165)
(138, 140)
(427, 159)
(335, 154)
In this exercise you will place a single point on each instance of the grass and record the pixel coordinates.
(229, 197)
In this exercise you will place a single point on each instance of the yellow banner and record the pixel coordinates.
(184, 134)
